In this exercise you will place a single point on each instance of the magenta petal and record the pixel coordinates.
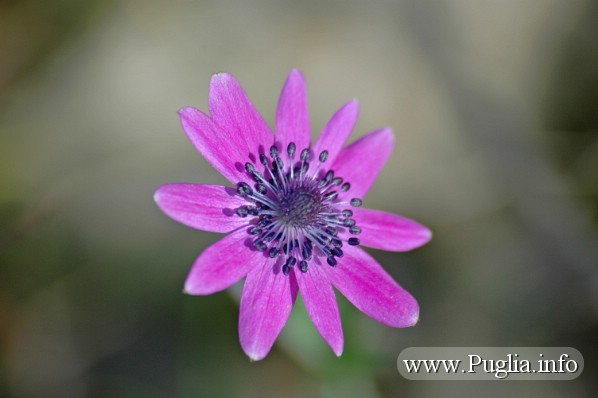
(223, 264)
(337, 130)
(232, 110)
(387, 231)
(220, 147)
(292, 116)
(321, 306)
(266, 302)
(206, 207)
(365, 284)
(360, 162)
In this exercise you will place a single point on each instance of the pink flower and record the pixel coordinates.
(294, 218)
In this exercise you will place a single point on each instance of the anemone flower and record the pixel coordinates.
(293, 216)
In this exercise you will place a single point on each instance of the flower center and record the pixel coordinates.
(300, 207)
(296, 211)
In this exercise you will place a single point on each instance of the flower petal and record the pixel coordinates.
(365, 284)
(232, 110)
(206, 207)
(321, 306)
(266, 302)
(223, 264)
(360, 162)
(220, 147)
(292, 116)
(337, 130)
(387, 231)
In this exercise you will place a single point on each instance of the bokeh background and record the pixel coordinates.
(495, 109)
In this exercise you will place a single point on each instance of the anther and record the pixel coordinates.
(331, 195)
(328, 176)
(291, 261)
(286, 270)
(279, 164)
(356, 202)
(254, 231)
(259, 245)
(353, 241)
(252, 210)
(242, 211)
(331, 231)
(263, 159)
(249, 167)
(355, 230)
(261, 188)
(263, 222)
(349, 222)
(345, 187)
(336, 181)
(347, 213)
(323, 156)
(337, 252)
(303, 266)
(269, 237)
(291, 149)
(244, 189)
(273, 152)
(304, 154)
(306, 253)
(331, 261)
(273, 252)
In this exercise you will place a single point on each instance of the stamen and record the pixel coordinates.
(294, 211)
(304, 154)
(336, 181)
(273, 152)
(254, 231)
(261, 188)
(244, 189)
(356, 202)
(331, 261)
(291, 149)
(353, 241)
(349, 222)
(273, 252)
(337, 252)
(303, 266)
(259, 245)
(355, 230)
(331, 195)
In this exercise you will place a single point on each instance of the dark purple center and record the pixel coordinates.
(296, 211)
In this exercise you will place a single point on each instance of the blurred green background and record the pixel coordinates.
(495, 109)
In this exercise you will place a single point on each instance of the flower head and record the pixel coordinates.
(293, 215)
